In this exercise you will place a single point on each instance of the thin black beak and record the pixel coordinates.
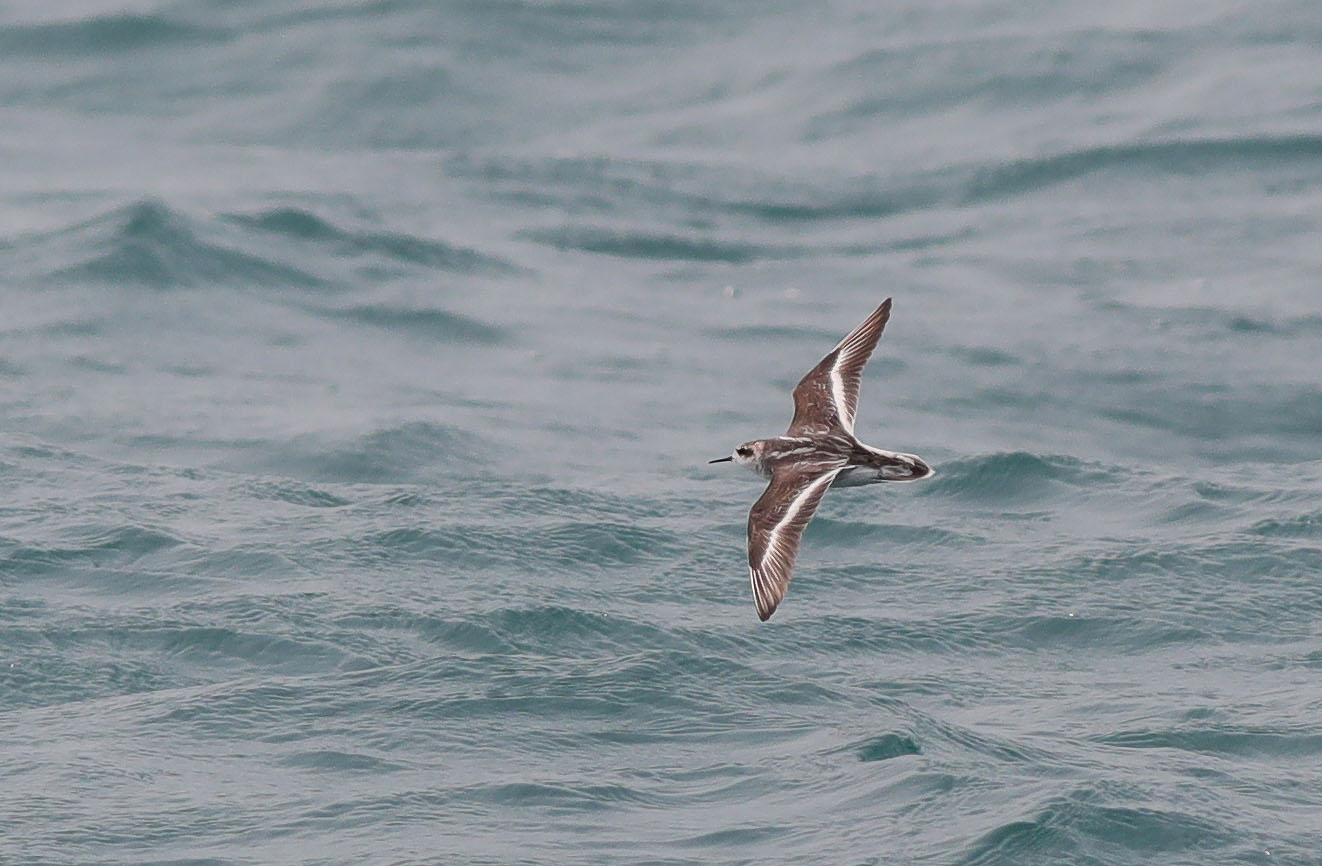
(722, 460)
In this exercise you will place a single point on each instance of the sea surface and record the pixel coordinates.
(360, 363)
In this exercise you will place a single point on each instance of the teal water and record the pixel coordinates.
(360, 363)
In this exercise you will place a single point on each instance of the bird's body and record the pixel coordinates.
(819, 451)
(859, 464)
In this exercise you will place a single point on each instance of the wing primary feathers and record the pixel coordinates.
(775, 528)
(826, 399)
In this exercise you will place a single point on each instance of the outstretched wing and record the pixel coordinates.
(775, 526)
(827, 397)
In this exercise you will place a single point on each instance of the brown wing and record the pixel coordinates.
(827, 397)
(775, 526)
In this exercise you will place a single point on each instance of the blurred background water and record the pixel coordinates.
(360, 363)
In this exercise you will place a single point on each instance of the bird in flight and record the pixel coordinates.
(818, 451)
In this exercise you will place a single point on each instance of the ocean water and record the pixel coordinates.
(360, 363)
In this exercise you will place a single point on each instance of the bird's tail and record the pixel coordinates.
(872, 466)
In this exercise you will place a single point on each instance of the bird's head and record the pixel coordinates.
(747, 454)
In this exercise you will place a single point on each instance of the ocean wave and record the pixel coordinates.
(81, 671)
(837, 634)
(829, 530)
(1120, 634)
(765, 334)
(559, 797)
(984, 356)
(998, 67)
(149, 244)
(410, 452)
(1016, 476)
(1231, 422)
(1174, 314)
(1085, 828)
(293, 492)
(605, 186)
(1295, 526)
(202, 645)
(338, 761)
(107, 34)
(303, 226)
(72, 656)
(92, 545)
(1231, 741)
(698, 247)
(565, 503)
(431, 324)
(886, 747)
(1191, 156)
(560, 547)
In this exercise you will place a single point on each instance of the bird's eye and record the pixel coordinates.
(742, 452)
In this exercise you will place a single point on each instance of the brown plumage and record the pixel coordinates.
(817, 452)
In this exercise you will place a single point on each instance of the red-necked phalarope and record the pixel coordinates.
(817, 451)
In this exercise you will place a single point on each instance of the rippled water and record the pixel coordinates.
(360, 363)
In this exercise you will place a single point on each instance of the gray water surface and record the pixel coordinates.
(360, 363)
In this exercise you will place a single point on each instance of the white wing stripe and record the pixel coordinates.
(838, 395)
(776, 536)
(770, 576)
(844, 355)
